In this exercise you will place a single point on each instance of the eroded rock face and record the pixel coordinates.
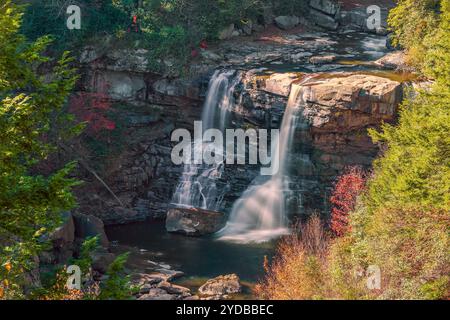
(193, 221)
(280, 83)
(340, 110)
(221, 285)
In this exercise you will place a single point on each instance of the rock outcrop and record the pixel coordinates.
(90, 226)
(340, 110)
(221, 285)
(193, 221)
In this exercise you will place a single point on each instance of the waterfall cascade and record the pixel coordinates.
(198, 186)
(260, 214)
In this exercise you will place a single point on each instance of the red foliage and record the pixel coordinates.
(346, 190)
(91, 107)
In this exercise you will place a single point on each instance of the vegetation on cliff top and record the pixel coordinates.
(170, 29)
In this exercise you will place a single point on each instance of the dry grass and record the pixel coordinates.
(298, 272)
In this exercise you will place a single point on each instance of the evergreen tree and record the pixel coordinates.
(30, 108)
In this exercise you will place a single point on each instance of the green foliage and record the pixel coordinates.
(437, 59)
(416, 167)
(411, 21)
(117, 286)
(99, 18)
(170, 29)
(30, 110)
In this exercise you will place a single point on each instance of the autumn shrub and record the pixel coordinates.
(298, 271)
(343, 199)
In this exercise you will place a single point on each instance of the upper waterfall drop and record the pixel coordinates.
(259, 214)
(198, 184)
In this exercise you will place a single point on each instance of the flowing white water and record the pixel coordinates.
(260, 215)
(198, 184)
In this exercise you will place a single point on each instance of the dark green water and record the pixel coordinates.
(199, 258)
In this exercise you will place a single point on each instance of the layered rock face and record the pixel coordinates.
(132, 176)
(340, 110)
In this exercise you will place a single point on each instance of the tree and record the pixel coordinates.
(30, 110)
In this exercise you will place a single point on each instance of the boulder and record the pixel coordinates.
(323, 20)
(64, 234)
(392, 60)
(123, 85)
(193, 221)
(329, 7)
(322, 59)
(90, 226)
(280, 83)
(221, 285)
(287, 22)
(227, 32)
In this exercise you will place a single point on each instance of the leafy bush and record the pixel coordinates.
(117, 286)
(411, 21)
(299, 269)
(348, 187)
(170, 29)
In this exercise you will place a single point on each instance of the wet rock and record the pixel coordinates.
(221, 285)
(90, 226)
(287, 22)
(193, 221)
(167, 274)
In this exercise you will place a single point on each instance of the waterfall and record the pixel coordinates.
(198, 186)
(259, 214)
